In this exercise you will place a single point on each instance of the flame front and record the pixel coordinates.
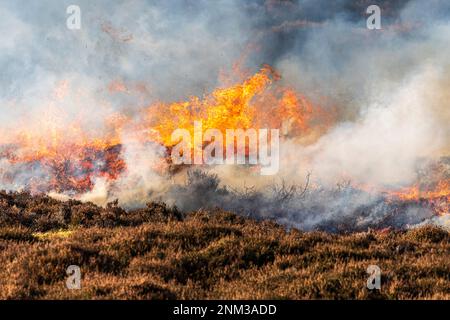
(437, 197)
(251, 104)
(73, 158)
(63, 156)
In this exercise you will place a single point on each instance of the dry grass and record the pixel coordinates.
(157, 253)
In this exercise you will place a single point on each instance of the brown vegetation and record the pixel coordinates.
(159, 253)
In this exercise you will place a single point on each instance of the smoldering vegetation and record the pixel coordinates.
(343, 208)
(160, 253)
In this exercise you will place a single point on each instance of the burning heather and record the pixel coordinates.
(69, 160)
(362, 114)
(63, 160)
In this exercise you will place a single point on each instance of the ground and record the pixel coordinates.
(160, 253)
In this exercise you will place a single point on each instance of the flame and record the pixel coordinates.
(254, 103)
(437, 197)
(73, 156)
(70, 157)
(442, 190)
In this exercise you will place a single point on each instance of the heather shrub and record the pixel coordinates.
(160, 253)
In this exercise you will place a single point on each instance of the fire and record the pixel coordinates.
(72, 155)
(59, 156)
(68, 156)
(442, 190)
(438, 197)
(254, 103)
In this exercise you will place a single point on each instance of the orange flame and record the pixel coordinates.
(442, 190)
(438, 197)
(251, 104)
(74, 155)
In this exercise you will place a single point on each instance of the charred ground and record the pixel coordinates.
(161, 253)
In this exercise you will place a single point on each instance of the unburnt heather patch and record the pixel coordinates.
(159, 253)
(43, 213)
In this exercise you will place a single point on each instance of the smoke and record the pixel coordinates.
(383, 146)
(388, 91)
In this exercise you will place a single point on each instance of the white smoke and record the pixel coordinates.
(383, 146)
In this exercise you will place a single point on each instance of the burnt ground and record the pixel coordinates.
(161, 253)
